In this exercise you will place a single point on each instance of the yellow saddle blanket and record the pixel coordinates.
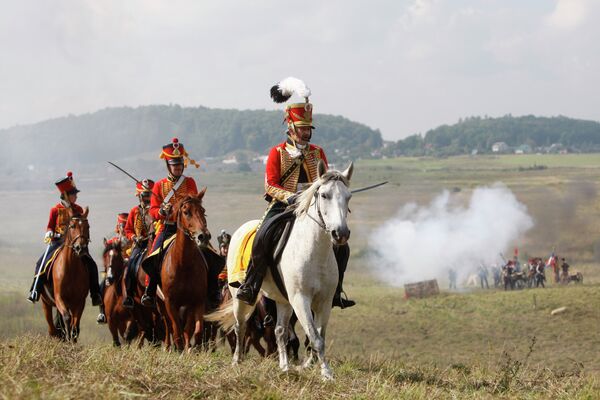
(243, 255)
(165, 246)
(49, 262)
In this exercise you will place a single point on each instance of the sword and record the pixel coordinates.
(368, 187)
(34, 292)
(127, 173)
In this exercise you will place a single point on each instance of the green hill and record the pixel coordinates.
(116, 133)
(530, 133)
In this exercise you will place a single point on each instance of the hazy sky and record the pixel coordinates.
(402, 66)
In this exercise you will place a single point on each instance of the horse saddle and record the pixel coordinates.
(268, 246)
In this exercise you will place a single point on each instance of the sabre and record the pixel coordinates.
(368, 187)
(37, 278)
(127, 173)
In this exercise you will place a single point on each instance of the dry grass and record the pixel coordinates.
(38, 367)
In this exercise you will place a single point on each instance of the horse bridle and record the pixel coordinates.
(73, 241)
(187, 232)
(321, 221)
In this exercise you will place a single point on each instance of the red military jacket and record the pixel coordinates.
(59, 219)
(280, 160)
(162, 188)
(135, 225)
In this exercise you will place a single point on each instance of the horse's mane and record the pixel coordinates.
(305, 198)
(112, 246)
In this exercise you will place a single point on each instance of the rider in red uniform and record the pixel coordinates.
(291, 166)
(58, 223)
(165, 194)
(138, 229)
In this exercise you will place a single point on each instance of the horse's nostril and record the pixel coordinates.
(334, 233)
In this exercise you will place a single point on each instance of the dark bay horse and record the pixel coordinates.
(119, 318)
(184, 274)
(68, 286)
(150, 323)
(255, 329)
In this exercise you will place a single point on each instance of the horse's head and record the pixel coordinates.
(114, 264)
(326, 202)
(78, 232)
(191, 218)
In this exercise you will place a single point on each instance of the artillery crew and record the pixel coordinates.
(291, 165)
(58, 223)
(138, 230)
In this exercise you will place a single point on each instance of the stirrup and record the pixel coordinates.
(33, 297)
(269, 321)
(148, 300)
(341, 302)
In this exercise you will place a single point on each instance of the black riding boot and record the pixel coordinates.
(93, 273)
(342, 254)
(101, 318)
(215, 265)
(251, 286)
(130, 279)
(36, 289)
(149, 297)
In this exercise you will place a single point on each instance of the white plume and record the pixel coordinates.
(292, 85)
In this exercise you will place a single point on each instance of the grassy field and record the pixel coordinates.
(466, 344)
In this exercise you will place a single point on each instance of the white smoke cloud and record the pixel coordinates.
(424, 242)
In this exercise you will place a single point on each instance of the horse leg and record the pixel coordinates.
(52, 331)
(198, 323)
(321, 318)
(284, 313)
(66, 317)
(240, 311)
(303, 311)
(76, 321)
(166, 323)
(175, 325)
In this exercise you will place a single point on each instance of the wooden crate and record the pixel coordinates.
(419, 290)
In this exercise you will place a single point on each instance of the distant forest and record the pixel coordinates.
(525, 134)
(138, 133)
(119, 133)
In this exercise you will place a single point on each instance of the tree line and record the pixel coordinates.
(479, 134)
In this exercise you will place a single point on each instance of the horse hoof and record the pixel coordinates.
(326, 375)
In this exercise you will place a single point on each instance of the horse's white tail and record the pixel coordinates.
(223, 316)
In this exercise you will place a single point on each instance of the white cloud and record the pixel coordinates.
(568, 14)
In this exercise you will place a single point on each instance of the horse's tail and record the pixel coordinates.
(223, 316)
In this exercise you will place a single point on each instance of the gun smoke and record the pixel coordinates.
(424, 242)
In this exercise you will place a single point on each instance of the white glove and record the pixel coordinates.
(48, 237)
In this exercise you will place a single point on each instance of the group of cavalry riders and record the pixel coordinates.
(291, 165)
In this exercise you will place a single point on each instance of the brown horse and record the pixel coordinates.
(69, 283)
(120, 319)
(150, 323)
(183, 274)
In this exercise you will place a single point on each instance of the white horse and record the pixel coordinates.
(307, 266)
